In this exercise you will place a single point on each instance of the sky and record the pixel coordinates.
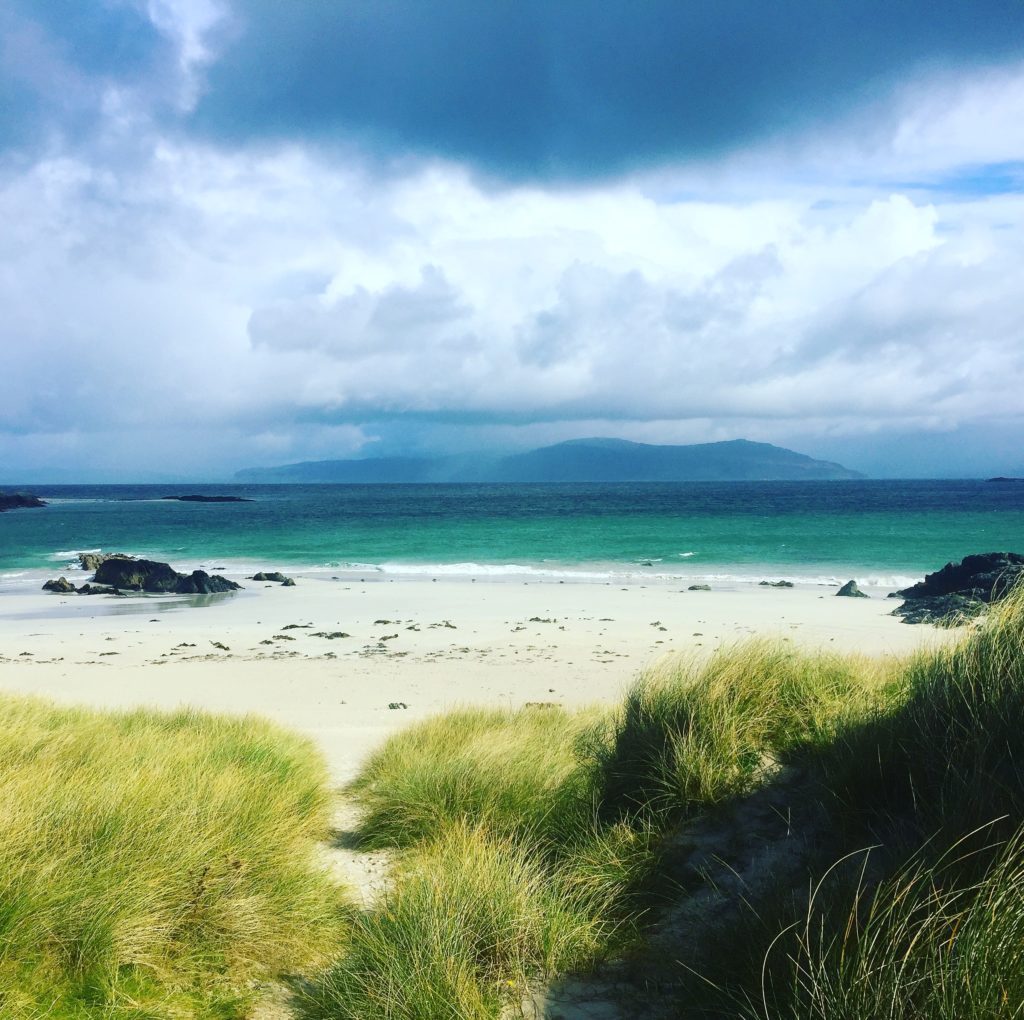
(246, 232)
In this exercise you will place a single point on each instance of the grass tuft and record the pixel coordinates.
(468, 918)
(155, 864)
(691, 735)
(515, 772)
(921, 945)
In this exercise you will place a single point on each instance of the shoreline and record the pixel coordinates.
(328, 658)
(24, 580)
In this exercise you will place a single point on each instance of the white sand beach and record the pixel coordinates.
(422, 645)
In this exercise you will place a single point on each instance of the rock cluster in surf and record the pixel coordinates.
(961, 591)
(117, 573)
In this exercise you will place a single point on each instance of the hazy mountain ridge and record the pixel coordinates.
(576, 460)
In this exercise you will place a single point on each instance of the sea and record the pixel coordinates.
(884, 534)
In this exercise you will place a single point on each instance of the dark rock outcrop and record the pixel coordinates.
(62, 585)
(154, 576)
(209, 499)
(274, 575)
(775, 584)
(199, 582)
(138, 575)
(19, 501)
(960, 591)
(942, 610)
(852, 591)
(699, 587)
(118, 573)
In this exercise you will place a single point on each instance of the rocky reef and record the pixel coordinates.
(960, 591)
(117, 573)
(209, 499)
(19, 501)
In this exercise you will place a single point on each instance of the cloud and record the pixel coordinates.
(174, 292)
(278, 294)
(535, 90)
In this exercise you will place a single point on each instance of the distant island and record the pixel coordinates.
(577, 460)
(209, 499)
(19, 501)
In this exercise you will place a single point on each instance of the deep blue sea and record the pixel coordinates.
(881, 532)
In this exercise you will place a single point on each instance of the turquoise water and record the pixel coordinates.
(883, 532)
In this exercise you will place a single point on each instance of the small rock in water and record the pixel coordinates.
(699, 587)
(776, 584)
(850, 590)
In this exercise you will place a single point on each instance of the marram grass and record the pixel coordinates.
(693, 734)
(924, 944)
(526, 844)
(468, 917)
(928, 925)
(553, 819)
(527, 840)
(517, 772)
(155, 864)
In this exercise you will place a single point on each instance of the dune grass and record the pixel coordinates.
(924, 944)
(948, 752)
(693, 734)
(528, 843)
(510, 825)
(938, 781)
(929, 923)
(468, 917)
(155, 865)
(557, 816)
(517, 773)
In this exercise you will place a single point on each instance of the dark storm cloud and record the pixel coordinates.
(576, 88)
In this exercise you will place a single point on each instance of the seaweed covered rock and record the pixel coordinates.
(961, 591)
